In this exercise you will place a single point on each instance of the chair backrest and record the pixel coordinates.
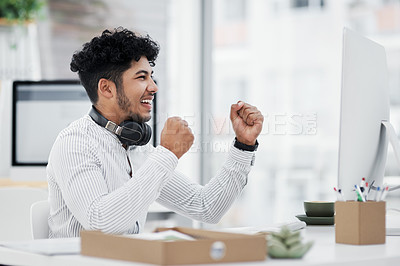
(15, 205)
(39, 219)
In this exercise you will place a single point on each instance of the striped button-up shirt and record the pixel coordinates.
(97, 184)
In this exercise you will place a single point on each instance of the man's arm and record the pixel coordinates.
(210, 203)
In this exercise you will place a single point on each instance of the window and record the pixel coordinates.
(290, 68)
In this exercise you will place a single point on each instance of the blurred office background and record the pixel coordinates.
(284, 56)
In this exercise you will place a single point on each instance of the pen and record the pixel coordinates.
(372, 191)
(339, 194)
(371, 185)
(385, 191)
(359, 194)
(362, 184)
(366, 191)
(378, 194)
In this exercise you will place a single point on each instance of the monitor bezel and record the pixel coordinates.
(16, 84)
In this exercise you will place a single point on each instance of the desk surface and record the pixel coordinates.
(324, 252)
(7, 182)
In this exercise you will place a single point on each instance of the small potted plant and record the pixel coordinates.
(18, 32)
(19, 11)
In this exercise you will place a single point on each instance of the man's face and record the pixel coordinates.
(136, 94)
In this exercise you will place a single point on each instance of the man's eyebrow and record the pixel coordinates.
(144, 72)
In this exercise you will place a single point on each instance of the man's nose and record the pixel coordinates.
(152, 86)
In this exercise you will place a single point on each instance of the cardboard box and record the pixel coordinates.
(360, 223)
(209, 247)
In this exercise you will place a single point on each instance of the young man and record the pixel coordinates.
(103, 175)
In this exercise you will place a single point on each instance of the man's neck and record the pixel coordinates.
(108, 113)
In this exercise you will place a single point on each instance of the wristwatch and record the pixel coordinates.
(245, 147)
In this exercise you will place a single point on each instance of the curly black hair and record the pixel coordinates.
(109, 56)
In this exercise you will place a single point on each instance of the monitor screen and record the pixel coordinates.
(41, 109)
(364, 105)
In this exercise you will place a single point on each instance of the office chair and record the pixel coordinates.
(39, 215)
(15, 204)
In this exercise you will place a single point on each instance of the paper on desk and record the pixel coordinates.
(168, 235)
(293, 226)
(50, 247)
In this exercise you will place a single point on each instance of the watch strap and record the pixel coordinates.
(245, 147)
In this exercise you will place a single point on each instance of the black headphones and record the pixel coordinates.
(128, 132)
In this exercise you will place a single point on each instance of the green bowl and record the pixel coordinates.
(319, 208)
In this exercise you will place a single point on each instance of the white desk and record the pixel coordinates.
(324, 252)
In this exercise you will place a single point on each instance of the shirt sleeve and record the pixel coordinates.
(79, 175)
(210, 202)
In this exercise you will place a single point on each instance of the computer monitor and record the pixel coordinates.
(363, 141)
(40, 110)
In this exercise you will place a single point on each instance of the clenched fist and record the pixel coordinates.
(247, 122)
(176, 136)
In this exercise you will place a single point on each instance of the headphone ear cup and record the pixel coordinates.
(134, 133)
(147, 133)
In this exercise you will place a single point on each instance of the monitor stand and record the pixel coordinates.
(391, 134)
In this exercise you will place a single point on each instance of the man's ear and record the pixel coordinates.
(106, 88)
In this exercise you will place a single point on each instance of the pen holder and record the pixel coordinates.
(360, 223)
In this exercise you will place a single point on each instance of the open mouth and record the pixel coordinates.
(147, 103)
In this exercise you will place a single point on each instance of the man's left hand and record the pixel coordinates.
(247, 122)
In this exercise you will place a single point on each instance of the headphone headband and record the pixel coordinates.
(128, 132)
